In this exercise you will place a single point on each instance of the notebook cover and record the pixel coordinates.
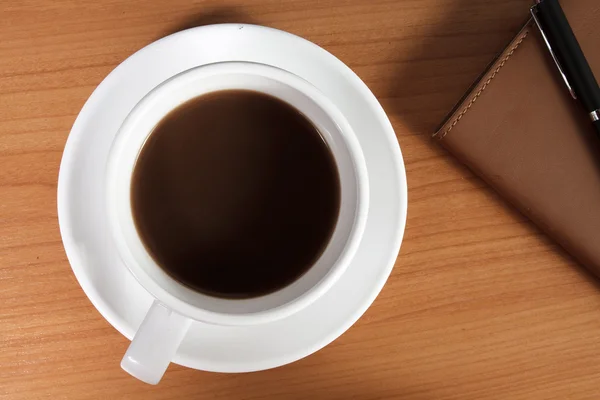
(519, 129)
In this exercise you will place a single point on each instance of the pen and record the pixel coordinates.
(568, 56)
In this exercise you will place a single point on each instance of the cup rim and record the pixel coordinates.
(352, 242)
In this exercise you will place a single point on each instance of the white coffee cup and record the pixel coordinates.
(176, 305)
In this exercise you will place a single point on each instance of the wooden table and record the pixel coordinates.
(480, 304)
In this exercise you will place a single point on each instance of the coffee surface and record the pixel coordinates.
(235, 194)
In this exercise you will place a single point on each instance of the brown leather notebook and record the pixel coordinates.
(519, 129)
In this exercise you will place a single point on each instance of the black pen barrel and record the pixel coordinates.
(569, 53)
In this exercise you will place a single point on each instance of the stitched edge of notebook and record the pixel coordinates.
(439, 134)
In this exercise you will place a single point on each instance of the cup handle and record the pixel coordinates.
(155, 343)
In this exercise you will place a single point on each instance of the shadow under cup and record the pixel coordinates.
(334, 129)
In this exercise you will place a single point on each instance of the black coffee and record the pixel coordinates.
(235, 194)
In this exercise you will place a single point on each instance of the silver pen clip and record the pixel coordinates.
(533, 10)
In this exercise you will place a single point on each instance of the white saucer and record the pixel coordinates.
(118, 296)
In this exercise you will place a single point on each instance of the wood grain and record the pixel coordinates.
(480, 304)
